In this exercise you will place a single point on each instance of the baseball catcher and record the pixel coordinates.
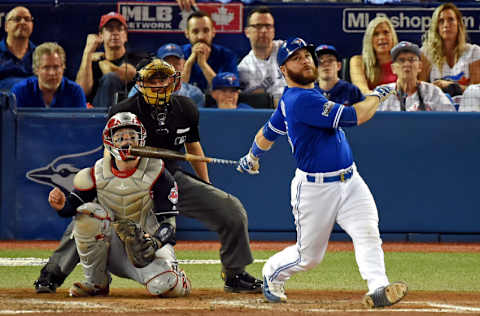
(124, 210)
(171, 121)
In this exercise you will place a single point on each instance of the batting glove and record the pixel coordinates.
(249, 164)
(382, 92)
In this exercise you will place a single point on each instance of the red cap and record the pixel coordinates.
(111, 16)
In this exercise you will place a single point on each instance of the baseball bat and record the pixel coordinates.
(153, 152)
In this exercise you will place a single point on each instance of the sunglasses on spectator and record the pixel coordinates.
(18, 19)
(261, 26)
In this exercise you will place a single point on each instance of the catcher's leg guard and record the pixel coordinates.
(167, 280)
(169, 283)
(92, 233)
(386, 295)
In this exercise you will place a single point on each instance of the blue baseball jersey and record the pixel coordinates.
(313, 126)
(343, 92)
(221, 59)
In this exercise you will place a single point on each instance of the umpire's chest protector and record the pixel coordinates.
(128, 197)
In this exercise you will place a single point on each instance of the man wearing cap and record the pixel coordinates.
(16, 49)
(412, 94)
(173, 54)
(258, 70)
(327, 187)
(225, 91)
(334, 89)
(204, 59)
(102, 74)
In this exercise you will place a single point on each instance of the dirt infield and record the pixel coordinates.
(122, 302)
(215, 302)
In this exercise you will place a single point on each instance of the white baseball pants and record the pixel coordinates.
(316, 207)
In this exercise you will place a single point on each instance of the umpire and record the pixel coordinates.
(171, 122)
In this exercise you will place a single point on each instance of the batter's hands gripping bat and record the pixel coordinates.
(153, 152)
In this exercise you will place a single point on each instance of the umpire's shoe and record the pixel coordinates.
(85, 289)
(386, 295)
(274, 292)
(45, 286)
(241, 283)
(48, 281)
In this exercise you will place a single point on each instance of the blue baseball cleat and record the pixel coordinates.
(274, 292)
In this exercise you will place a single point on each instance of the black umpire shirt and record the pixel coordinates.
(179, 127)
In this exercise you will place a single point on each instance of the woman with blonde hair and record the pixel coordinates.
(449, 61)
(373, 67)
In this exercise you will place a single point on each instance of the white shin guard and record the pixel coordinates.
(169, 284)
(92, 237)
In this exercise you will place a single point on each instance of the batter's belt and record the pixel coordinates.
(341, 175)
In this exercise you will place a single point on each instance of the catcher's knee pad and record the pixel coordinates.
(92, 222)
(169, 283)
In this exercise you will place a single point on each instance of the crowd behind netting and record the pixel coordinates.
(442, 74)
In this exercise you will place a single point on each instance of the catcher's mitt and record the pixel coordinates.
(140, 249)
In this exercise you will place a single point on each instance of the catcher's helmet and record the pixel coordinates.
(157, 68)
(290, 46)
(122, 120)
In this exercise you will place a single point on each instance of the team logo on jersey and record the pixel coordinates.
(173, 196)
(327, 107)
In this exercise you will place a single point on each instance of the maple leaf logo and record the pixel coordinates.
(222, 17)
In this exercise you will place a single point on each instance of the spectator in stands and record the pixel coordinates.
(173, 54)
(334, 89)
(471, 99)
(49, 88)
(187, 5)
(373, 67)
(449, 61)
(16, 49)
(412, 94)
(204, 59)
(258, 70)
(102, 74)
(225, 91)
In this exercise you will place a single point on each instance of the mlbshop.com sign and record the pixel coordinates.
(163, 17)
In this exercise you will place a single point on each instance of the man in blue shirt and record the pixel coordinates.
(327, 187)
(16, 49)
(225, 91)
(334, 89)
(204, 59)
(49, 89)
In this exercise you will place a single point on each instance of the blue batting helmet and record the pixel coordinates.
(290, 46)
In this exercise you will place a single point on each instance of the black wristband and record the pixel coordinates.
(166, 234)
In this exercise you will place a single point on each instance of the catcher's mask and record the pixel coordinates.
(156, 80)
(131, 130)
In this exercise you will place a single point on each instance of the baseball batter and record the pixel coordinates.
(327, 187)
(133, 193)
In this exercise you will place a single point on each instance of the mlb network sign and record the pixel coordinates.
(166, 17)
(405, 20)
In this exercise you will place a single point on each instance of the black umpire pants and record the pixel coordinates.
(219, 211)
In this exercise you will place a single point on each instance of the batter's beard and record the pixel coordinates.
(300, 79)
